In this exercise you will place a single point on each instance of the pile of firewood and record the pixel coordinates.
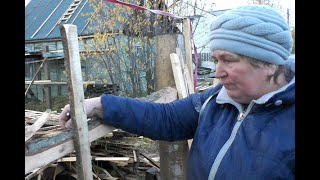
(118, 155)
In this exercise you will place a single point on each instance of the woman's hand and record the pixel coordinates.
(93, 108)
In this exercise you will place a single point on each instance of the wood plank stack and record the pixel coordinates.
(49, 152)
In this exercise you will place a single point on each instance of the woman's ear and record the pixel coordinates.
(271, 69)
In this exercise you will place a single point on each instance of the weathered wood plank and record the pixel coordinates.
(178, 76)
(31, 130)
(74, 75)
(165, 45)
(173, 154)
(49, 82)
(165, 95)
(182, 79)
(47, 89)
(186, 73)
(187, 43)
(188, 79)
(35, 146)
(42, 151)
(32, 116)
(115, 159)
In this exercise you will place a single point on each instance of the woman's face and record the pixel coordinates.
(242, 81)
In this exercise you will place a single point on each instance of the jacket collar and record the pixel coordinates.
(223, 97)
(279, 95)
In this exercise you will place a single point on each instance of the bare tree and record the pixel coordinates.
(272, 3)
(123, 49)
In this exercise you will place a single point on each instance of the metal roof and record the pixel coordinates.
(42, 18)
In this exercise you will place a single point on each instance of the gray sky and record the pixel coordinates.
(26, 2)
(285, 4)
(227, 4)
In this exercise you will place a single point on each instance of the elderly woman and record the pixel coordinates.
(243, 128)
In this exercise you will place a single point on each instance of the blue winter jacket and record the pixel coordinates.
(228, 142)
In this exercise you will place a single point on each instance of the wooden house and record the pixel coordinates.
(43, 20)
(43, 41)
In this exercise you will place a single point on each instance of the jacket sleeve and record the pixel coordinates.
(173, 121)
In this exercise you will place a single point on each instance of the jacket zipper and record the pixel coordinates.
(228, 143)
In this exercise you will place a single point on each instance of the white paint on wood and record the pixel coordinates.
(111, 159)
(188, 79)
(186, 73)
(72, 159)
(67, 159)
(178, 76)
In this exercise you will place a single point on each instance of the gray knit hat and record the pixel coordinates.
(256, 31)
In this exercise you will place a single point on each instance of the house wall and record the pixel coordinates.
(57, 73)
(90, 70)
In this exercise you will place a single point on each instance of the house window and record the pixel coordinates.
(28, 72)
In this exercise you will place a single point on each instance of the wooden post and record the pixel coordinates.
(76, 96)
(47, 88)
(187, 44)
(173, 155)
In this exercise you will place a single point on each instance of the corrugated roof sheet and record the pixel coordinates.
(42, 18)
